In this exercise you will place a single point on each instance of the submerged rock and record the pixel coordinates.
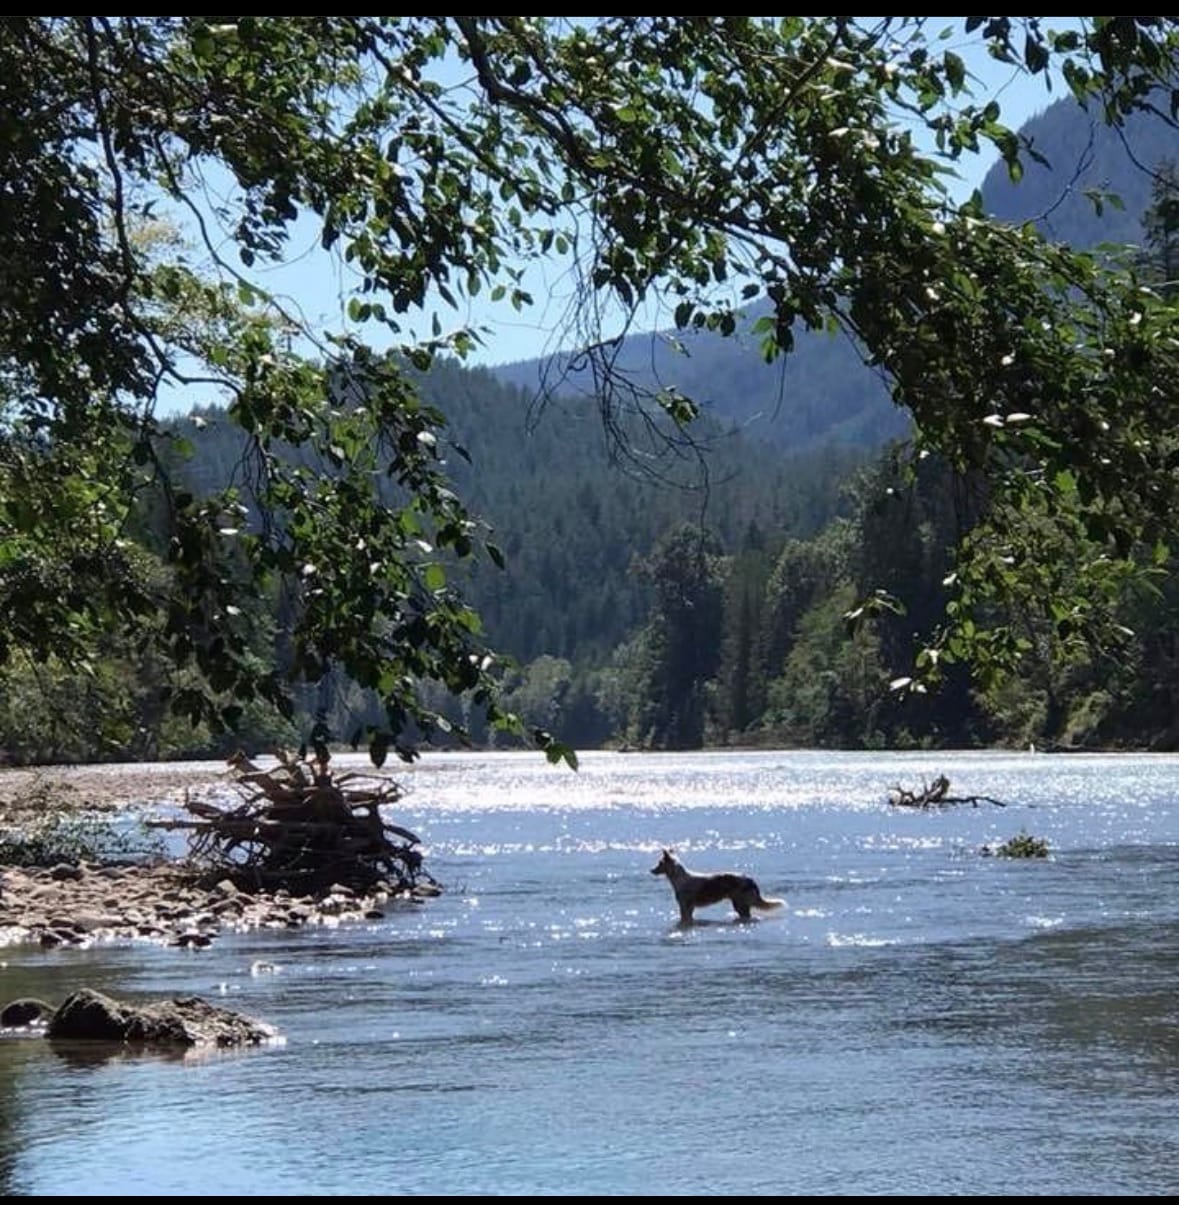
(183, 1021)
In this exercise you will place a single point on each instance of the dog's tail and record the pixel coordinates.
(768, 904)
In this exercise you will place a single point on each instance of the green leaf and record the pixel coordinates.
(955, 70)
(1035, 56)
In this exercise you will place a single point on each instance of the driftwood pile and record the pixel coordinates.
(935, 794)
(303, 827)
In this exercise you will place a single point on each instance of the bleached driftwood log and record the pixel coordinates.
(935, 794)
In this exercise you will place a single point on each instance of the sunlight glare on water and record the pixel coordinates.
(918, 1019)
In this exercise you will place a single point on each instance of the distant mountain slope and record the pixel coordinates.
(1083, 154)
(571, 522)
(822, 393)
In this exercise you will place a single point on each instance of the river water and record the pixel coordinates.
(918, 1019)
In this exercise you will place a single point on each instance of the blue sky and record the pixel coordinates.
(317, 284)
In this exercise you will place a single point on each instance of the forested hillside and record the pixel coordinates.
(572, 519)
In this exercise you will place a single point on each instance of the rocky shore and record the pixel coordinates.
(68, 905)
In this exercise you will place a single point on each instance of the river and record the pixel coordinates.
(918, 1019)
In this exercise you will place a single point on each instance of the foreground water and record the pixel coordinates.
(919, 1019)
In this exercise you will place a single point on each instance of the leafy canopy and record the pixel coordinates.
(695, 163)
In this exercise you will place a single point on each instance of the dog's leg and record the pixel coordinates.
(742, 904)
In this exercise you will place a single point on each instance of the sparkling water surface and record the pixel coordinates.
(918, 1019)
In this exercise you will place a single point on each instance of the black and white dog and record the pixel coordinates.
(694, 891)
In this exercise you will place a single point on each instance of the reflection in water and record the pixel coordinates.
(917, 1020)
(88, 1055)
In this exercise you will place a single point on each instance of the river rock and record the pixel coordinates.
(184, 1021)
(193, 940)
(26, 1011)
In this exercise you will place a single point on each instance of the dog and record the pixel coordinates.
(694, 891)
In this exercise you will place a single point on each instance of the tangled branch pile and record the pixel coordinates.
(302, 827)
